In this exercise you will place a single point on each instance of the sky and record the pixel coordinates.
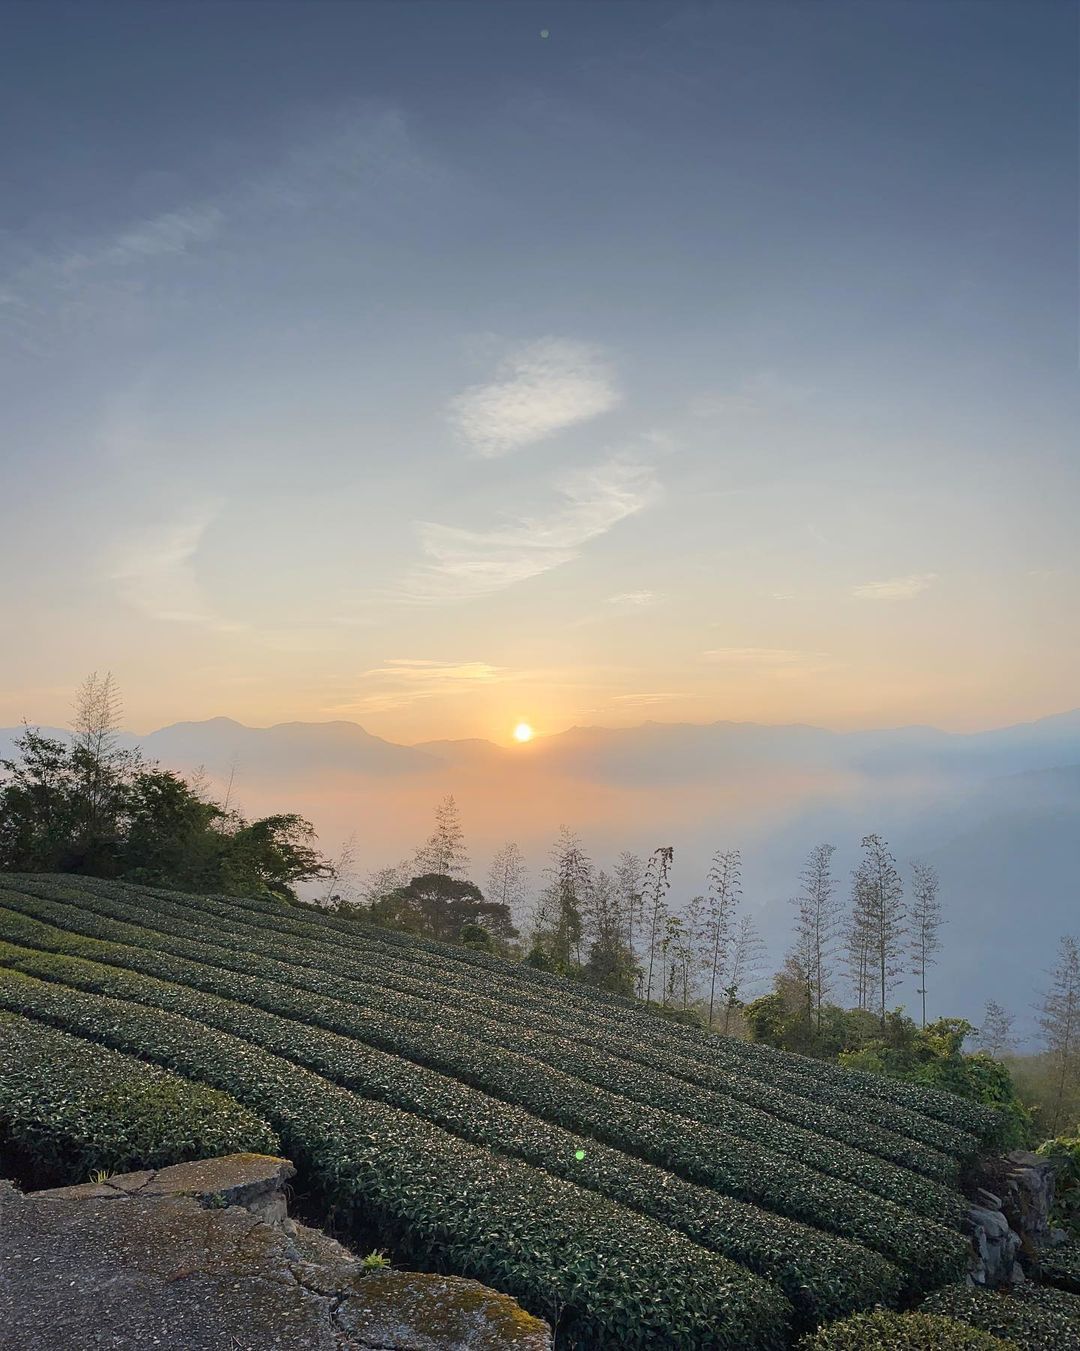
(445, 366)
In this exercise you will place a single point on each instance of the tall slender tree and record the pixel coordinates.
(816, 928)
(655, 890)
(924, 924)
(1059, 1018)
(876, 934)
(102, 766)
(630, 887)
(508, 881)
(444, 852)
(562, 910)
(721, 903)
(995, 1035)
(744, 966)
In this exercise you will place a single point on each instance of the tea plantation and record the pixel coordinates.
(638, 1182)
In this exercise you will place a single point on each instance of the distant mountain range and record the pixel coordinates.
(997, 812)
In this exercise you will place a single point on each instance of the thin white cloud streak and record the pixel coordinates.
(154, 569)
(403, 681)
(539, 389)
(896, 588)
(635, 600)
(467, 563)
(775, 659)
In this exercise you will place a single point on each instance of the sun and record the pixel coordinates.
(523, 732)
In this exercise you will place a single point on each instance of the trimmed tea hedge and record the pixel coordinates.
(885, 1331)
(67, 1108)
(928, 1252)
(1037, 1317)
(723, 1105)
(623, 1279)
(541, 990)
(1061, 1266)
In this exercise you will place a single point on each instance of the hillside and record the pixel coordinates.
(636, 1182)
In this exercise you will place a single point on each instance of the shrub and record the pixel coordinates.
(885, 1331)
(448, 1204)
(1065, 1154)
(1061, 1266)
(69, 1108)
(1036, 1317)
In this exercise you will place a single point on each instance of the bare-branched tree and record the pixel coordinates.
(924, 924)
(1059, 1018)
(718, 928)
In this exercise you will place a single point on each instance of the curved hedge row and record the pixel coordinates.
(1061, 1266)
(776, 1085)
(885, 1331)
(67, 1107)
(929, 1252)
(716, 1105)
(822, 1275)
(500, 1072)
(1038, 1318)
(622, 1278)
(971, 1119)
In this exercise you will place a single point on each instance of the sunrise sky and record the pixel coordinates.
(402, 364)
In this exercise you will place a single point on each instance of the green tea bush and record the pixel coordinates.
(886, 1331)
(1036, 1317)
(927, 1251)
(68, 1107)
(728, 1103)
(1061, 1266)
(622, 1279)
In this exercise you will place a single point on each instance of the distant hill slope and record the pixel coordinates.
(652, 1185)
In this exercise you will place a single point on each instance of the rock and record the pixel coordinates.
(1023, 1184)
(202, 1256)
(988, 1199)
(994, 1247)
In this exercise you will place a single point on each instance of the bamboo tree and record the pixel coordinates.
(1059, 1018)
(925, 921)
(876, 931)
(657, 884)
(722, 899)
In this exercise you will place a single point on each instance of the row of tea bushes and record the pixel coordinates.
(715, 1105)
(68, 1107)
(750, 1172)
(308, 933)
(1036, 1317)
(929, 1252)
(824, 1276)
(972, 1119)
(621, 1279)
(887, 1331)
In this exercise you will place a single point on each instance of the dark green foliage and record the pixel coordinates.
(437, 906)
(887, 1331)
(1061, 1265)
(89, 808)
(1036, 1317)
(68, 1107)
(1065, 1153)
(623, 1280)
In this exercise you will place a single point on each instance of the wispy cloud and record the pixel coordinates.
(154, 569)
(467, 563)
(765, 659)
(538, 390)
(402, 681)
(896, 588)
(633, 600)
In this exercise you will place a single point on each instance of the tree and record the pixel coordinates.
(877, 924)
(655, 889)
(508, 879)
(630, 886)
(1059, 1018)
(382, 881)
(103, 770)
(340, 875)
(683, 953)
(37, 805)
(610, 964)
(924, 921)
(444, 908)
(816, 929)
(725, 891)
(747, 956)
(444, 851)
(996, 1031)
(560, 917)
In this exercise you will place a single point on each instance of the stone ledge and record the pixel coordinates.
(202, 1256)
